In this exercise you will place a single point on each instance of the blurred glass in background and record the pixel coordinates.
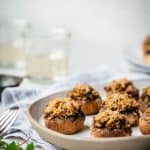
(47, 57)
(43, 56)
(12, 51)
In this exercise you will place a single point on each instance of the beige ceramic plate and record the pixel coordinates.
(83, 140)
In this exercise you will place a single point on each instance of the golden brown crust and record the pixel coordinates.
(145, 99)
(144, 122)
(121, 102)
(65, 126)
(110, 124)
(133, 118)
(142, 106)
(88, 98)
(110, 119)
(83, 92)
(125, 105)
(123, 86)
(63, 108)
(64, 115)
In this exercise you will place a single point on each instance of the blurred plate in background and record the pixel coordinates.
(134, 57)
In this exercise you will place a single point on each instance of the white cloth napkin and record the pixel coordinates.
(21, 96)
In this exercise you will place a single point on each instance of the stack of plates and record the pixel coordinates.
(134, 58)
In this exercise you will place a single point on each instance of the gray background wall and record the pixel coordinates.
(100, 28)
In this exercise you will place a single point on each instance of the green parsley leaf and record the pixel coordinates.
(30, 147)
(14, 146)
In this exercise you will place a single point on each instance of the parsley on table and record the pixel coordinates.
(14, 146)
(30, 147)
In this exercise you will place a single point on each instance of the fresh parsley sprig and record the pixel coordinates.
(14, 146)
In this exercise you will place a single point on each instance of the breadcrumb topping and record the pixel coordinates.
(122, 86)
(63, 108)
(146, 115)
(111, 120)
(145, 96)
(121, 102)
(83, 92)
